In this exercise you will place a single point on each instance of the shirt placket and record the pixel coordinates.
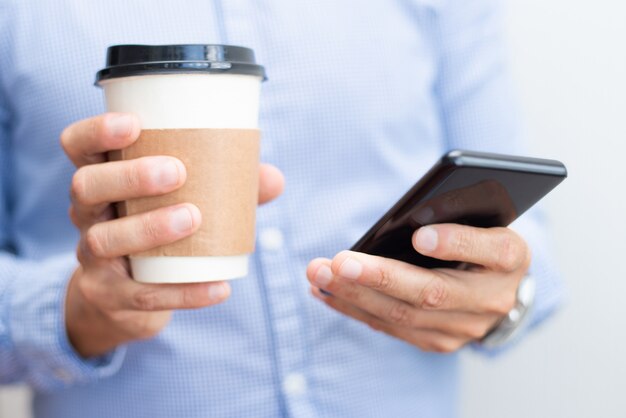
(242, 19)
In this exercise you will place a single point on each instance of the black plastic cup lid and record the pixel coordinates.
(134, 60)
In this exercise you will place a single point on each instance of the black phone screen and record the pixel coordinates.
(486, 190)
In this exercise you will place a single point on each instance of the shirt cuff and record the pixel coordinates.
(38, 332)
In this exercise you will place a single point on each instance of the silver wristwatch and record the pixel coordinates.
(508, 328)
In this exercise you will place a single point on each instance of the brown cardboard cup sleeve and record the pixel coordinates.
(222, 180)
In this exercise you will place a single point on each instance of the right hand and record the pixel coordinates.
(104, 307)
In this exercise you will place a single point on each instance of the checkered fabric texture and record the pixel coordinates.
(362, 98)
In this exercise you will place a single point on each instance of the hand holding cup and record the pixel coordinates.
(104, 306)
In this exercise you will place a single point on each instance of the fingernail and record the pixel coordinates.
(325, 292)
(217, 292)
(181, 220)
(350, 269)
(120, 125)
(168, 174)
(320, 294)
(323, 276)
(426, 239)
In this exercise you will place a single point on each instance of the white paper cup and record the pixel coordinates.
(187, 87)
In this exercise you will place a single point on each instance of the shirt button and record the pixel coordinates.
(294, 384)
(271, 239)
(63, 375)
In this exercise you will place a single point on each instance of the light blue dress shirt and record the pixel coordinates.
(362, 98)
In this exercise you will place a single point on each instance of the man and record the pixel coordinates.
(362, 99)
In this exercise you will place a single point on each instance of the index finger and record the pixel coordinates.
(420, 287)
(87, 141)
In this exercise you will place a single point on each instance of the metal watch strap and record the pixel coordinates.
(508, 328)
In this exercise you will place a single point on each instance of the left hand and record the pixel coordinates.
(437, 310)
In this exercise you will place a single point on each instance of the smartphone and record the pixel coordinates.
(464, 187)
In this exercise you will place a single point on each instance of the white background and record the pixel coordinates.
(569, 58)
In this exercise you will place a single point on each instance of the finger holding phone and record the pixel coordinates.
(104, 307)
(441, 268)
(437, 310)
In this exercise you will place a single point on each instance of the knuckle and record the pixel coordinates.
(384, 279)
(511, 253)
(462, 243)
(145, 299)
(434, 294)
(131, 177)
(400, 313)
(95, 242)
(150, 228)
(189, 298)
(95, 128)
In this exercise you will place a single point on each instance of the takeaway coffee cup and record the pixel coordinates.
(199, 103)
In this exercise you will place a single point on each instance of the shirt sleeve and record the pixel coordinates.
(34, 346)
(478, 111)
